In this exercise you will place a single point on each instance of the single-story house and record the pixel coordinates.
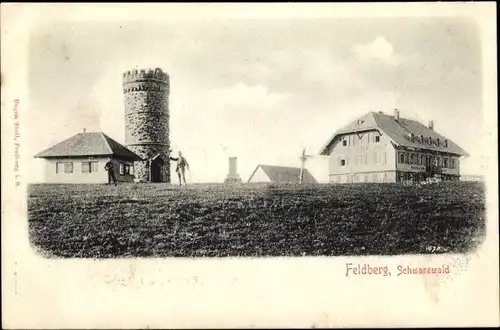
(82, 158)
(279, 174)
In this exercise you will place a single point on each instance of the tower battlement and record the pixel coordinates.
(157, 75)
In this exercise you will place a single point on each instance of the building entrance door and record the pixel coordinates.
(157, 169)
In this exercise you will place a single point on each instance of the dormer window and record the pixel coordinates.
(411, 136)
(430, 139)
(446, 143)
(360, 122)
(421, 138)
(437, 141)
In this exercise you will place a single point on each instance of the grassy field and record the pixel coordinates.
(157, 220)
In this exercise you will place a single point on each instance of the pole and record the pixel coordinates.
(303, 160)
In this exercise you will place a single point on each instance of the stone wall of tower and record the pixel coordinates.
(146, 95)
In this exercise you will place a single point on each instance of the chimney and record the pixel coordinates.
(431, 124)
(232, 167)
(232, 176)
(396, 114)
(84, 130)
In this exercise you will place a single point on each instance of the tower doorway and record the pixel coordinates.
(157, 169)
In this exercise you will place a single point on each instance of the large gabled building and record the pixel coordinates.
(82, 158)
(382, 148)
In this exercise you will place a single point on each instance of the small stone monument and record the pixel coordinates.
(232, 176)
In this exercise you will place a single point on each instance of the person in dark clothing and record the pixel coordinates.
(110, 167)
(181, 167)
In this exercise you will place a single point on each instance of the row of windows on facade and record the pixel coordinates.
(367, 177)
(428, 140)
(404, 158)
(427, 160)
(91, 167)
(347, 141)
(363, 159)
(376, 139)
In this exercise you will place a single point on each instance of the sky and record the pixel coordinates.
(259, 90)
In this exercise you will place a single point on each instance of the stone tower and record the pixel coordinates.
(147, 122)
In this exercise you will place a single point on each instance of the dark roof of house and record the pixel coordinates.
(285, 174)
(399, 132)
(88, 144)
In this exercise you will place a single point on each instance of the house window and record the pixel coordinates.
(445, 162)
(366, 159)
(342, 162)
(377, 138)
(89, 167)
(66, 167)
(401, 157)
(344, 143)
(126, 169)
(132, 170)
(411, 159)
(419, 159)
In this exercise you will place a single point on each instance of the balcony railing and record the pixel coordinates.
(434, 169)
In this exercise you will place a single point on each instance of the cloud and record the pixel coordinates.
(378, 49)
(241, 95)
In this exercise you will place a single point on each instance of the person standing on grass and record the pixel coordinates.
(110, 168)
(181, 167)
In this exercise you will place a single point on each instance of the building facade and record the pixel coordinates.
(382, 148)
(87, 170)
(146, 97)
